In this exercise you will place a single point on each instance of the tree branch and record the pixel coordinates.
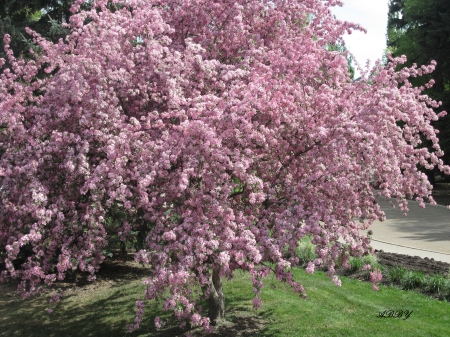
(235, 194)
(123, 106)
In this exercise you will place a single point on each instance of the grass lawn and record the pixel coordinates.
(350, 310)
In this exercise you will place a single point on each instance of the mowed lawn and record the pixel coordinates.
(350, 310)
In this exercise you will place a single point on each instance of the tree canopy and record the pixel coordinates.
(420, 29)
(222, 132)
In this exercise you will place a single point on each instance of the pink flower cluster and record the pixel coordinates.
(376, 277)
(222, 131)
(139, 316)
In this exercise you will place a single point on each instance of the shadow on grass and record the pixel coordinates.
(78, 315)
(240, 323)
(105, 310)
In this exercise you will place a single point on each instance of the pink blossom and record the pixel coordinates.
(367, 267)
(257, 302)
(169, 236)
(337, 281)
(196, 319)
(310, 268)
(376, 275)
(158, 323)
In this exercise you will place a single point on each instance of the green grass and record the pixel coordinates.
(350, 310)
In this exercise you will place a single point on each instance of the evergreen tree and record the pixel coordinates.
(420, 29)
(43, 16)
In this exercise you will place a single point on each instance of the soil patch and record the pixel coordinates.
(413, 263)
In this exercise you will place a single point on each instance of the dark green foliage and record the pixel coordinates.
(420, 29)
(118, 238)
(43, 16)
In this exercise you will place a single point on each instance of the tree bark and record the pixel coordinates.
(123, 249)
(216, 300)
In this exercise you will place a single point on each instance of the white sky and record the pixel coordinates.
(372, 15)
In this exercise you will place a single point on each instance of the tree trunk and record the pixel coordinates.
(123, 249)
(216, 300)
(431, 177)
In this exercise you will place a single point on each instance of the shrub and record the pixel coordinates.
(396, 274)
(412, 280)
(437, 284)
(306, 252)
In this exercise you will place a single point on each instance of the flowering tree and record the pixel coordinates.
(226, 129)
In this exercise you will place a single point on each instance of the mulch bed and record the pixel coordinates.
(414, 263)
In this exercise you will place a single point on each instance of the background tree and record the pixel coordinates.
(420, 29)
(43, 16)
(227, 129)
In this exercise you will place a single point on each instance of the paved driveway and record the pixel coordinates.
(424, 232)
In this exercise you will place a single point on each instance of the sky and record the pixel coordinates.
(372, 15)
